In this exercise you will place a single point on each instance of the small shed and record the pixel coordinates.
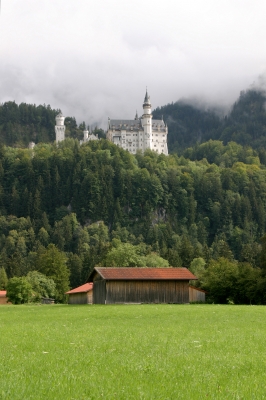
(140, 285)
(3, 298)
(196, 294)
(47, 300)
(81, 295)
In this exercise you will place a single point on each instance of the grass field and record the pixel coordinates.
(132, 352)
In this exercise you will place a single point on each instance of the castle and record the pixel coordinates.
(139, 133)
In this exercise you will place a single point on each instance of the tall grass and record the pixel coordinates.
(132, 352)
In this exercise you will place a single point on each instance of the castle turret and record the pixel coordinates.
(59, 128)
(86, 135)
(147, 121)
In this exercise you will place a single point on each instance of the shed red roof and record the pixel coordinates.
(196, 288)
(2, 293)
(81, 289)
(145, 273)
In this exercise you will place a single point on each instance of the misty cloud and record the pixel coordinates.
(95, 60)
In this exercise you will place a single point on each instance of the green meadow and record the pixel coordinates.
(132, 352)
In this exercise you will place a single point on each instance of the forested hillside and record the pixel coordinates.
(244, 124)
(98, 204)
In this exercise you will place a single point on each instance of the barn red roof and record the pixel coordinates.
(81, 289)
(145, 273)
(2, 293)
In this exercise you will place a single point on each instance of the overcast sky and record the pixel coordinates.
(94, 58)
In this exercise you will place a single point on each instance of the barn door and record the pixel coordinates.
(99, 292)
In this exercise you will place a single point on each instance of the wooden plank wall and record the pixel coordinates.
(147, 292)
(196, 295)
(3, 301)
(78, 298)
(90, 297)
(99, 292)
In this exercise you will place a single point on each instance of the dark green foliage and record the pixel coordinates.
(228, 281)
(3, 279)
(19, 290)
(187, 125)
(191, 125)
(52, 263)
(41, 285)
(220, 280)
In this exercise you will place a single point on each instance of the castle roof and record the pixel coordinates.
(127, 124)
(119, 124)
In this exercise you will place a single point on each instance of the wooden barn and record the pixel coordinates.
(81, 294)
(196, 294)
(140, 285)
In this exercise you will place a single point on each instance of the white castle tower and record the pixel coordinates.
(59, 128)
(147, 122)
(86, 135)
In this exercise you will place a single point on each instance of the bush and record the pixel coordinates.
(19, 290)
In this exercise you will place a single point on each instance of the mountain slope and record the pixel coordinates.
(245, 123)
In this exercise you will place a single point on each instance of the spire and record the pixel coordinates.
(147, 98)
(147, 103)
(136, 116)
